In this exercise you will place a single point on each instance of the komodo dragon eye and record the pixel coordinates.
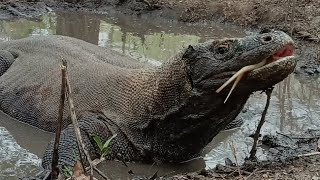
(223, 50)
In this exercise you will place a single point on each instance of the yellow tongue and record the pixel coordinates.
(238, 75)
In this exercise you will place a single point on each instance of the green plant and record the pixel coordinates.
(104, 147)
(67, 171)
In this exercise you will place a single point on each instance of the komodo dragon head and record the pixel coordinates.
(214, 63)
(265, 60)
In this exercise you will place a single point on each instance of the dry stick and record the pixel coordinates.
(257, 172)
(309, 154)
(293, 16)
(235, 169)
(247, 178)
(76, 127)
(95, 163)
(233, 148)
(262, 120)
(55, 155)
(100, 173)
(288, 136)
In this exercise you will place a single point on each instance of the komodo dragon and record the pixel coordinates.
(165, 113)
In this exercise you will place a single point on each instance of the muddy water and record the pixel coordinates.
(295, 104)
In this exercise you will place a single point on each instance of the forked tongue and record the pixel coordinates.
(238, 75)
(285, 51)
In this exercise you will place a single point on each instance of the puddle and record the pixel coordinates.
(295, 103)
(294, 108)
(15, 159)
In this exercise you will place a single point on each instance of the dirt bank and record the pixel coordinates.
(302, 17)
(299, 18)
(306, 168)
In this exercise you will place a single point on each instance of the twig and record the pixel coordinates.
(55, 155)
(100, 173)
(235, 169)
(288, 136)
(247, 178)
(309, 154)
(76, 127)
(262, 120)
(95, 163)
(148, 3)
(257, 172)
(285, 135)
(292, 16)
(223, 177)
(233, 148)
(16, 12)
(98, 161)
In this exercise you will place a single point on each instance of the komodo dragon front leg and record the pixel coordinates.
(90, 124)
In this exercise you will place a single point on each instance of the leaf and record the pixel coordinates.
(98, 140)
(105, 152)
(106, 144)
(67, 171)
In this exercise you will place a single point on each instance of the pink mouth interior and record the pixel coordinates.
(288, 50)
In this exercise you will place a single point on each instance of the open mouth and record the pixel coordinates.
(282, 54)
(287, 50)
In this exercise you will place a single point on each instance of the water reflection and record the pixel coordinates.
(78, 26)
(295, 104)
(294, 108)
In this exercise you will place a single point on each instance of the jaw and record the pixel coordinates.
(255, 80)
(270, 74)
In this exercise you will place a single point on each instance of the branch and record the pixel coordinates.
(95, 163)
(309, 154)
(76, 127)
(262, 120)
(100, 173)
(292, 16)
(55, 155)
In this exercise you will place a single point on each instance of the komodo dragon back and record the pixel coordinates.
(100, 79)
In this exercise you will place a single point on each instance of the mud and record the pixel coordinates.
(288, 157)
(283, 146)
(306, 168)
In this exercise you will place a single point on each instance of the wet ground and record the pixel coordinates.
(295, 104)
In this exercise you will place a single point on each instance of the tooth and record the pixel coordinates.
(238, 75)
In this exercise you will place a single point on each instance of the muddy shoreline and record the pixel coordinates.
(291, 159)
(295, 168)
(252, 15)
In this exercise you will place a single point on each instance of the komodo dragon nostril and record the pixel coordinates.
(266, 39)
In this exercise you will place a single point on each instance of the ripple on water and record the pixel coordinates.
(14, 160)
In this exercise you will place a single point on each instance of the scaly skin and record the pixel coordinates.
(168, 113)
